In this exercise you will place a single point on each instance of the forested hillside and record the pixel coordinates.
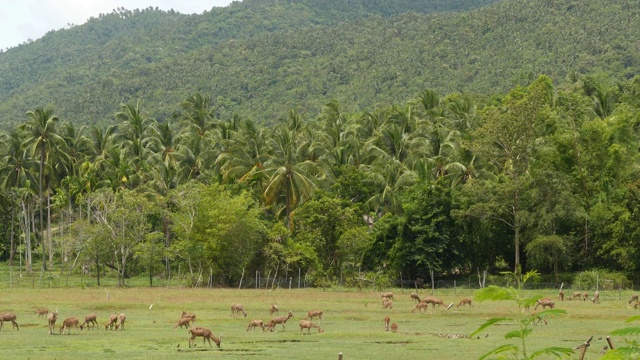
(261, 58)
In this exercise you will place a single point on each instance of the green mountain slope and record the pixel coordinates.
(261, 57)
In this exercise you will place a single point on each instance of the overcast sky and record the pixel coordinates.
(21, 20)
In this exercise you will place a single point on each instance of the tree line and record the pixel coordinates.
(544, 177)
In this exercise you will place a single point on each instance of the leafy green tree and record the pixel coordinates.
(549, 251)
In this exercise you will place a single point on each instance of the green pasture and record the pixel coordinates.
(353, 324)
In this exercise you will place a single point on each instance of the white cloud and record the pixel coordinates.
(21, 20)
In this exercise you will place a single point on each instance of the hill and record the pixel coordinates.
(259, 58)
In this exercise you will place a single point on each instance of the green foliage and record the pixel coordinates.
(602, 279)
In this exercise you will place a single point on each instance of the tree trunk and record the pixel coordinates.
(49, 241)
(41, 204)
(12, 250)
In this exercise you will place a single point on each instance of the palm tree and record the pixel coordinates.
(42, 140)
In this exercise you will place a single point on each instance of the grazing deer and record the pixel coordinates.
(596, 297)
(422, 306)
(91, 321)
(254, 324)
(273, 309)
(206, 334)
(544, 303)
(236, 309)
(51, 319)
(387, 304)
(561, 295)
(537, 319)
(386, 323)
(112, 322)
(634, 298)
(192, 317)
(8, 317)
(433, 301)
(465, 301)
(314, 313)
(121, 319)
(394, 327)
(42, 312)
(576, 294)
(68, 323)
(585, 296)
(279, 320)
(306, 324)
(415, 297)
(387, 295)
(183, 321)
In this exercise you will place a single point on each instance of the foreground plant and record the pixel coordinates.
(523, 322)
(632, 350)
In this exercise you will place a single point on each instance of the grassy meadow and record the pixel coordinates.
(353, 324)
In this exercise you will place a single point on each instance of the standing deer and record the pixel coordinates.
(68, 323)
(42, 312)
(192, 317)
(596, 297)
(422, 306)
(433, 301)
(237, 309)
(465, 301)
(279, 320)
(387, 304)
(183, 321)
(91, 321)
(394, 327)
(386, 323)
(314, 313)
(254, 324)
(112, 322)
(274, 309)
(585, 296)
(561, 295)
(544, 303)
(306, 324)
(387, 295)
(121, 319)
(206, 334)
(8, 317)
(576, 294)
(51, 319)
(415, 297)
(634, 298)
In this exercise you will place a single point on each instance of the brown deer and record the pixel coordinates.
(544, 303)
(237, 309)
(254, 324)
(306, 324)
(192, 317)
(42, 312)
(465, 301)
(51, 320)
(183, 321)
(422, 306)
(561, 295)
(314, 313)
(8, 317)
(387, 295)
(634, 298)
(585, 296)
(576, 294)
(112, 322)
(596, 297)
(387, 304)
(537, 319)
(279, 320)
(206, 334)
(415, 297)
(433, 301)
(394, 327)
(386, 323)
(68, 323)
(91, 321)
(121, 319)
(273, 309)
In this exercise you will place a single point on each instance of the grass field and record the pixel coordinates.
(353, 324)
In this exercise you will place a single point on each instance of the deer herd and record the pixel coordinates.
(422, 305)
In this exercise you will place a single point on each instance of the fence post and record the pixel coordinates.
(339, 356)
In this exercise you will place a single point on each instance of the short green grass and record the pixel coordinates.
(353, 324)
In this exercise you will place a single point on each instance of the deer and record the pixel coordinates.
(192, 317)
(8, 317)
(415, 297)
(91, 321)
(273, 309)
(51, 320)
(561, 295)
(386, 323)
(313, 313)
(596, 297)
(279, 320)
(465, 301)
(433, 301)
(387, 304)
(42, 312)
(387, 295)
(394, 327)
(121, 319)
(576, 294)
(112, 322)
(634, 298)
(183, 321)
(254, 324)
(237, 309)
(585, 296)
(306, 324)
(422, 306)
(537, 319)
(544, 303)
(206, 334)
(68, 323)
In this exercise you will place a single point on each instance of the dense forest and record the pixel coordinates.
(541, 175)
(259, 58)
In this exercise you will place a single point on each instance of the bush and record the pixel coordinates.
(605, 280)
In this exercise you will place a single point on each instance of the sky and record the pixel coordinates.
(21, 20)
